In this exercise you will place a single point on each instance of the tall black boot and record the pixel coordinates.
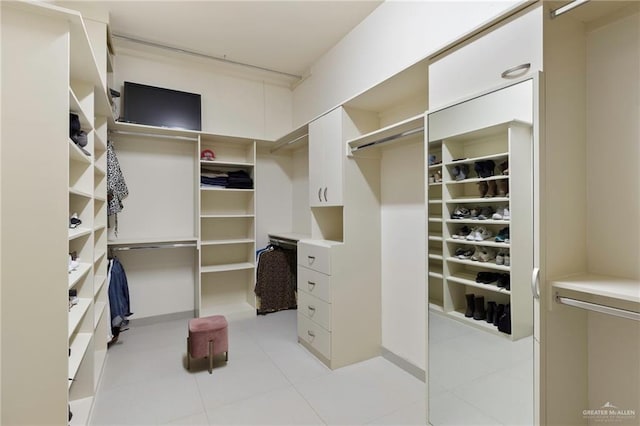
(470, 305)
(504, 324)
(491, 311)
(479, 312)
(498, 314)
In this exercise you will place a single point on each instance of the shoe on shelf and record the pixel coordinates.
(484, 168)
(504, 168)
(472, 234)
(502, 213)
(487, 277)
(432, 179)
(486, 213)
(432, 159)
(491, 189)
(460, 213)
(73, 263)
(500, 258)
(471, 306)
(499, 312)
(507, 259)
(504, 281)
(476, 255)
(464, 253)
(74, 221)
(462, 233)
(480, 234)
(491, 312)
(460, 172)
(474, 212)
(503, 236)
(487, 254)
(438, 176)
(503, 188)
(483, 188)
(479, 312)
(504, 322)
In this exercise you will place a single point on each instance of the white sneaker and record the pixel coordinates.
(506, 215)
(500, 258)
(500, 213)
(481, 234)
(507, 259)
(73, 264)
(472, 234)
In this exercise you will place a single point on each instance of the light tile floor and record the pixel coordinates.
(477, 378)
(269, 380)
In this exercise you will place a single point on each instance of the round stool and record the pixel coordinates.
(208, 336)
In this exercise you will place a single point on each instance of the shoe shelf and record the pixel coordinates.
(435, 272)
(76, 313)
(479, 222)
(79, 107)
(489, 265)
(494, 145)
(434, 167)
(98, 310)
(486, 243)
(100, 281)
(75, 154)
(78, 232)
(435, 219)
(78, 344)
(80, 193)
(77, 274)
(435, 201)
(435, 184)
(434, 237)
(478, 200)
(469, 280)
(435, 255)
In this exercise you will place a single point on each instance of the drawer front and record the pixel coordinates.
(314, 283)
(314, 257)
(315, 309)
(479, 66)
(316, 336)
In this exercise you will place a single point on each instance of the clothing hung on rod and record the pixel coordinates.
(276, 280)
(119, 304)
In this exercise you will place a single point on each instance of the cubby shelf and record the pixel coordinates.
(226, 267)
(489, 265)
(76, 313)
(78, 346)
(469, 280)
(77, 274)
(230, 241)
(78, 232)
(485, 243)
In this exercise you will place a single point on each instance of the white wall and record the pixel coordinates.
(274, 175)
(396, 35)
(403, 252)
(231, 104)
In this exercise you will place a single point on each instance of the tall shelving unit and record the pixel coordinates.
(454, 277)
(36, 143)
(226, 231)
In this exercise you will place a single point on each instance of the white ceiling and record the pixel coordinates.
(286, 36)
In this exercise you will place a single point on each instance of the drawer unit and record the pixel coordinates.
(315, 336)
(315, 309)
(314, 283)
(314, 257)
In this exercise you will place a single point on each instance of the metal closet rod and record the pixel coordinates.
(203, 55)
(603, 309)
(150, 246)
(280, 241)
(390, 138)
(291, 142)
(153, 135)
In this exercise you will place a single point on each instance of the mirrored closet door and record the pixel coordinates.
(481, 258)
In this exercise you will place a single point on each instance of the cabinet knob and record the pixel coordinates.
(320, 194)
(513, 72)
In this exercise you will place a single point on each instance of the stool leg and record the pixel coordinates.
(210, 356)
(226, 356)
(188, 355)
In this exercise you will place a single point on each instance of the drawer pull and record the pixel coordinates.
(311, 333)
(320, 194)
(325, 194)
(311, 285)
(311, 259)
(312, 309)
(511, 71)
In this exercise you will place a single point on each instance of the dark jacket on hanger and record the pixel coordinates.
(118, 296)
(276, 280)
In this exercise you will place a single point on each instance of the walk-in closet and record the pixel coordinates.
(341, 213)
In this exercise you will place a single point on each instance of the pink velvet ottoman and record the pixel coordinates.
(208, 336)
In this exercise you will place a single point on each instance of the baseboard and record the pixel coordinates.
(407, 366)
(161, 318)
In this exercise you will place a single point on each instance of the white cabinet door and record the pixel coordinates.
(316, 162)
(333, 157)
(486, 62)
(325, 160)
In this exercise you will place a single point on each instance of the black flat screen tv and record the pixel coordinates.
(160, 107)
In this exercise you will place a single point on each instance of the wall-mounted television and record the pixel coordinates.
(156, 106)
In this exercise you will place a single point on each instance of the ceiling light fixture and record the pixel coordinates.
(567, 7)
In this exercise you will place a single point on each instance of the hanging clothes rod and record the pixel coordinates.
(150, 246)
(291, 142)
(279, 241)
(603, 309)
(386, 139)
(153, 135)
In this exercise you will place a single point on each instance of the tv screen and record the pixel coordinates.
(160, 107)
